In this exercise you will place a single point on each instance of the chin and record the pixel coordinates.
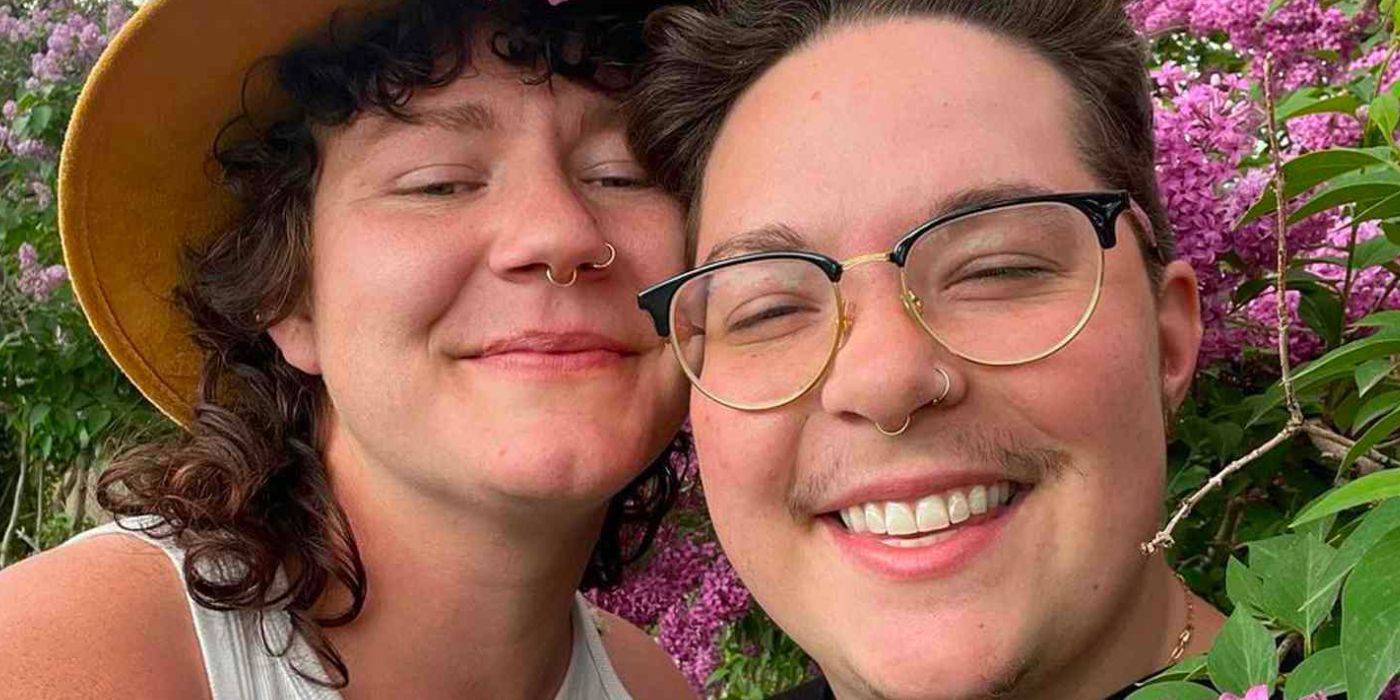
(905, 678)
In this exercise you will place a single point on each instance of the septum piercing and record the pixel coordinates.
(549, 275)
(947, 387)
(895, 433)
(612, 257)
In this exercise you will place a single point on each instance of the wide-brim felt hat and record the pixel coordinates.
(136, 182)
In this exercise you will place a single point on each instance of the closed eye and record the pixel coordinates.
(767, 314)
(443, 189)
(622, 182)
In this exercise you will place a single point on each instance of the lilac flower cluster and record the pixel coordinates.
(1299, 36)
(35, 280)
(62, 40)
(687, 591)
(1207, 127)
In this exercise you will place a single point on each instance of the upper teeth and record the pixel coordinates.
(928, 514)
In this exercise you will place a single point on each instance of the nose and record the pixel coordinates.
(545, 227)
(888, 368)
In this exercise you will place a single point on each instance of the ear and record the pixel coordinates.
(1178, 330)
(295, 336)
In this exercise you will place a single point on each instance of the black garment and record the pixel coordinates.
(819, 690)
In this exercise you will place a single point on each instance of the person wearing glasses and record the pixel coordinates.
(379, 261)
(936, 335)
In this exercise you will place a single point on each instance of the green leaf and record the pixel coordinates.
(97, 418)
(1392, 233)
(1389, 320)
(1243, 655)
(1292, 568)
(1320, 307)
(1372, 528)
(1185, 669)
(39, 119)
(1379, 486)
(1374, 435)
(1312, 100)
(1362, 189)
(1337, 363)
(1384, 114)
(1369, 374)
(1312, 169)
(1187, 480)
(1374, 408)
(37, 414)
(1320, 673)
(1350, 355)
(1371, 620)
(1374, 252)
(1243, 586)
(1174, 690)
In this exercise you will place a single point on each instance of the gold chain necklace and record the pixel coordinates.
(1184, 638)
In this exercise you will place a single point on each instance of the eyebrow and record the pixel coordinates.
(780, 236)
(461, 117)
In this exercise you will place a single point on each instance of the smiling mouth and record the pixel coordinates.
(932, 518)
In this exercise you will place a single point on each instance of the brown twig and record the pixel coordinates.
(1290, 396)
(19, 495)
(1163, 538)
(1337, 445)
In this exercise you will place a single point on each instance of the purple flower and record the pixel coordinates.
(36, 282)
(43, 196)
(1392, 691)
(1258, 692)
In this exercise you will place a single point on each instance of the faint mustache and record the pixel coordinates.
(1013, 457)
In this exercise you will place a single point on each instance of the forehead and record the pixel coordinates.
(864, 130)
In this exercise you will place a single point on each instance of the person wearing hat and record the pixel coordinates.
(378, 259)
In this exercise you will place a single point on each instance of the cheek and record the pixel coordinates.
(376, 277)
(1101, 400)
(746, 463)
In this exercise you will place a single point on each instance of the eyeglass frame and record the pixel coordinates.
(1102, 208)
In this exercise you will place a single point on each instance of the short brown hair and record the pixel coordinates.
(704, 59)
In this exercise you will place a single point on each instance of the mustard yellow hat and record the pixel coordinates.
(135, 182)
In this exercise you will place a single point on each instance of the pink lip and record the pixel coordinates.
(938, 560)
(552, 352)
(910, 488)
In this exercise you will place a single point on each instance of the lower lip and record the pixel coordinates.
(551, 363)
(937, 560)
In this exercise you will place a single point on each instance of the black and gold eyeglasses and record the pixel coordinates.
(1002, 284)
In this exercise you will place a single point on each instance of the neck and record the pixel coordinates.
(444, 580)
(1137, 642)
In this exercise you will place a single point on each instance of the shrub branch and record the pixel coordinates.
(1163, 538)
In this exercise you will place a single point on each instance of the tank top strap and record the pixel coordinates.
(591, 674)
(234, 644)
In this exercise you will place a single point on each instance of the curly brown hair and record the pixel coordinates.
(245, 491)
(705, 59)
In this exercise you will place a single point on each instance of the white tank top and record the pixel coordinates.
(239, 667)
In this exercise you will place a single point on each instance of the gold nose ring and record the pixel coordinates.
(573, 278)
(947, 387)
(549, 275)
(895, 433)
(612, 255)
